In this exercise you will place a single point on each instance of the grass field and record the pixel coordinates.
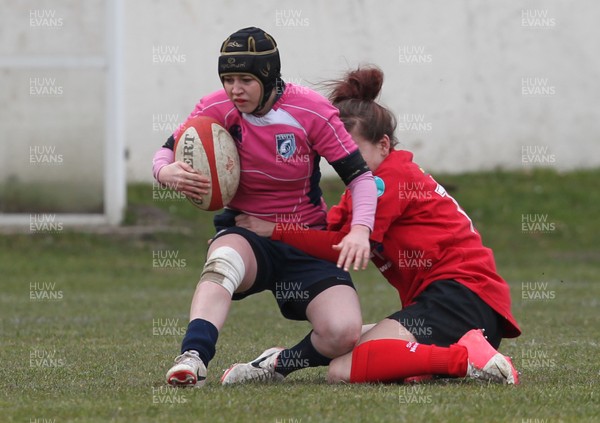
(91, 321)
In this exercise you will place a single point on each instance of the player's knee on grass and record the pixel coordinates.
(339, 369)
(337, 336)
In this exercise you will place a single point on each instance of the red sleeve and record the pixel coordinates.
(390, 204)
(340, 215)
(312, 241)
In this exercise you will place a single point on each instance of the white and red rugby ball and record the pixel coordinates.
(207, 147)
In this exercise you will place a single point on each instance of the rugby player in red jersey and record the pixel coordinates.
(426, 247)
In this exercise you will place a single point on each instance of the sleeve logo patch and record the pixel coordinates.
(380, 186)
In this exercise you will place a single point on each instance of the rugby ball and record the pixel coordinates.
(207, 147)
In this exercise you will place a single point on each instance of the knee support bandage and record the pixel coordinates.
(225, 267)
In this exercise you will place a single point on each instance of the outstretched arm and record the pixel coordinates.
(355, 247)
(312, 241)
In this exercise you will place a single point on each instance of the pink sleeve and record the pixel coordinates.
(364, 200)
(207, 106)
(162, 157)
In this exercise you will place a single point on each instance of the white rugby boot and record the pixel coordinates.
(260, 369)
(189, 370)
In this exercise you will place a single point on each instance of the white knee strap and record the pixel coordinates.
(225, 267)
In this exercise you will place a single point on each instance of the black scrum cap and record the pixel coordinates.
(252, 51)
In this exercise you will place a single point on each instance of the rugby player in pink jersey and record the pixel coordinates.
(281, 130)
(455, 306)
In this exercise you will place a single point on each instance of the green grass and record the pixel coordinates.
(104, 362)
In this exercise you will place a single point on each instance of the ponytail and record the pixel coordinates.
(354, 96)
(361, 84)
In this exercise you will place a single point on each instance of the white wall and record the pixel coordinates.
(466, 88)
(52, 127)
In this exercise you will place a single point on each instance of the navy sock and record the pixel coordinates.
(300, 356)
(201, 336)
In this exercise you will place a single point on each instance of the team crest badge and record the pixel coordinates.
(286, 145)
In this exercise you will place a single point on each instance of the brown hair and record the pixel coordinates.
(354, 96)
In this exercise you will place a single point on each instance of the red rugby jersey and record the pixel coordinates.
(421, 235)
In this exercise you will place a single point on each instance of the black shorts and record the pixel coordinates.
(294, 277)
(445, 311)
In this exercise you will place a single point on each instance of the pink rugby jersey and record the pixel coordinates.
(280, 152)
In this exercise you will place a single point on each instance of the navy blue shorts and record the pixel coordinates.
(294, 277)
(445, 311)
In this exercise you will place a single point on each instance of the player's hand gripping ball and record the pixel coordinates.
(207, 147)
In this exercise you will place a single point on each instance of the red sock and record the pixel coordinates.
(388, 360)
